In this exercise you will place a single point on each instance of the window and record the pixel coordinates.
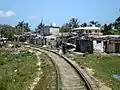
(52, 39)
(98, 42)
(95, 31)
(90, 31)
(86, 31)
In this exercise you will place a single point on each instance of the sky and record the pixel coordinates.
(58, 11)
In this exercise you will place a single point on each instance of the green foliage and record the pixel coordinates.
(73, 23)
(41, 25)
(17, 70)
(65, 28)
(8, 31)
(112, 28)
(23, 27)
(84, 25)
(96, 23)
(48, 78)
(104, 67)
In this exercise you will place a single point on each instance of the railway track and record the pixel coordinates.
(69, 76)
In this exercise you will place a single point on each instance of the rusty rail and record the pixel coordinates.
(88, 81)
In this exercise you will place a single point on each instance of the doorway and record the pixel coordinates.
(117, 46)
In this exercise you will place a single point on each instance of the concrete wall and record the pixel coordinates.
(49, 30)
(46, 31)
(98, 47)
(51, 40)
(84, 46)
(54, 31)
(111, 48)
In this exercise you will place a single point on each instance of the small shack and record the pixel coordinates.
(112, 43)
(84, 45)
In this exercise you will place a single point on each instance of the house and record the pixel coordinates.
(52, 40)
(98, 45)
(88, 30)
(84, 45)
(40, 40)
(98, 42)
(49, 30)
(112, 43)
(90, 43)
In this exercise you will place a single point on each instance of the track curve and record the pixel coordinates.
(70, 78)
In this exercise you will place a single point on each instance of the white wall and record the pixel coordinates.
(49, 39)
(54, 31)
(98, 47)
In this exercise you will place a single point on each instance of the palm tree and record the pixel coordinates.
(93, 22)
(84, 25)
(74, 23)
(39, 28)
(26, 27)
(96, 23)
(20, 26)
(67, 27)
(117, 23)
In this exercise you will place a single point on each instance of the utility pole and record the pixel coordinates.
(42, 34)
(62, 45)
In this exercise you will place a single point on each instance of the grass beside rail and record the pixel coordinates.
(104, 67)
(17, 71)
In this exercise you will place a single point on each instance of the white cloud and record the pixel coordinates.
(6, 14)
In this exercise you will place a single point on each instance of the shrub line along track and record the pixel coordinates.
(69, 75)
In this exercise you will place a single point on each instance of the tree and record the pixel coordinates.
(92, 22)
(96, 23)
(67, 27)
(117, 24)
(22, 27)
(26, 27)
(40, 30)
(74, 23)
(105, 30)
(40, 27)
(7, 31)
(84, 25)
(108, 29)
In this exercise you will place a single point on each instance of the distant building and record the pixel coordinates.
(49, 30)
(88, 30)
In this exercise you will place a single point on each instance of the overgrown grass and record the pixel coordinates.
(104, 67)
(17, 71)
(48, 77)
